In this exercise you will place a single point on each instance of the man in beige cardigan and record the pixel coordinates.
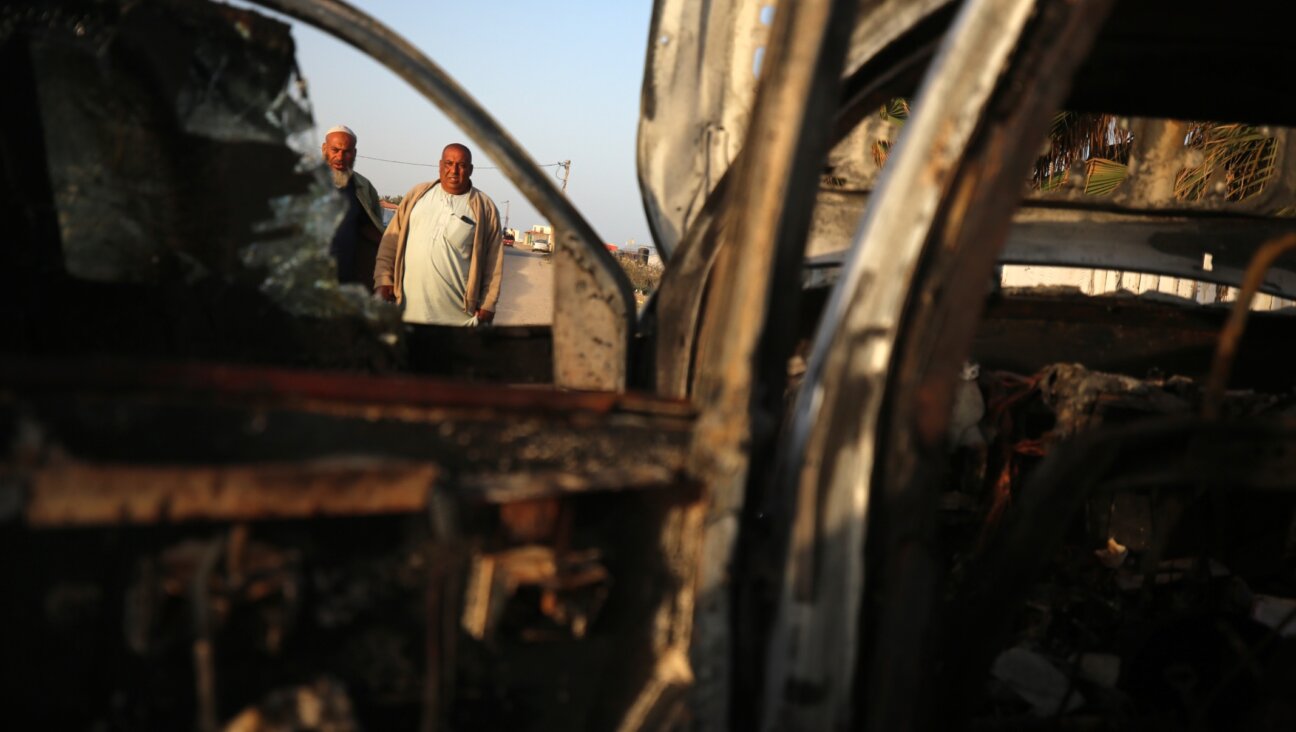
(441, 257)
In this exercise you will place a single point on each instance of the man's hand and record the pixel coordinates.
(485, 316)
(386, 292)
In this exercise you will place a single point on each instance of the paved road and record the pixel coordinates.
(526, 296)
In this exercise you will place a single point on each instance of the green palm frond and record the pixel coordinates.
(1240, 156)
(881, 150)
(1190, 183)
(1103, 176)
(1246, 158)
(1062, 121)
(1074, 136)
(1054, 179)
(895, 111)
(1250, 168)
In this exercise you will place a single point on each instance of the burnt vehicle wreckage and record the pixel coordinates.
(840, 472)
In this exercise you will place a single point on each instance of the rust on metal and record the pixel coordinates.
(572, 587)
(284, 384)
(1231, 336)
(530, 520)
(83, 494)
(359, 454)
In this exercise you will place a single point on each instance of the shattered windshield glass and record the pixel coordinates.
(187, 212)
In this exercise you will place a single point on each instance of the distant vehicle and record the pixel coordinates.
(540, 245)
(509, 240)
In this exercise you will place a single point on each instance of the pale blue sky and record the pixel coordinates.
(563, 78)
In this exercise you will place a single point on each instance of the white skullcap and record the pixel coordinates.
(342, 128)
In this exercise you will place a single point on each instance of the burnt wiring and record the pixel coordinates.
(1231, 336)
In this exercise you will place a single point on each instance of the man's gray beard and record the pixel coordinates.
(341, 177)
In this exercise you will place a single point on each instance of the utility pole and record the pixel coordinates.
(566, 166)
(506, 210)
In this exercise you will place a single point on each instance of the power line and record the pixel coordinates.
(566, 168)
(434, 165)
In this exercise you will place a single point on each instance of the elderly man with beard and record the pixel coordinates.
(442, 257)
(355, 242)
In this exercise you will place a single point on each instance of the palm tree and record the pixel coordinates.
(1242, 155)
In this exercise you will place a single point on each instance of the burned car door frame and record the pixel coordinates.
(893, 336)
(172, 462)
(942, 206)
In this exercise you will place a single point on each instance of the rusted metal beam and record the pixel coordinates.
(533, 485)
(85, 494)
(108, 494)
(288, 386)
(493, 457)
(222, 443)
(111, 493)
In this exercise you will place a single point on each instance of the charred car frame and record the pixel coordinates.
(839, 473)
